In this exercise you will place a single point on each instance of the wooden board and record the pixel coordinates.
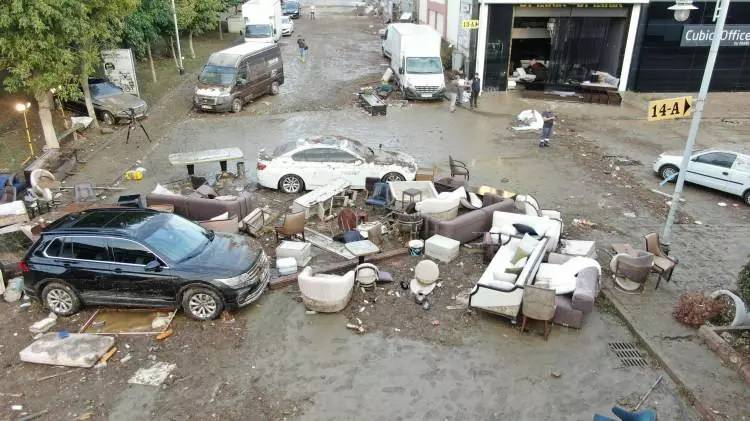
(326, 243)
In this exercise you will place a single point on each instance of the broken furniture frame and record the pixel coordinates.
(189, 159)
(320, 201)
(256, 220)
(87, 324)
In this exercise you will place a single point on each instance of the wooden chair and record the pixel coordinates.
(663, 264)
(292, 227)
(538, 304)
(631, 272)
(458, 168)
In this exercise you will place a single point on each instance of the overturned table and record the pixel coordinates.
(189, 159)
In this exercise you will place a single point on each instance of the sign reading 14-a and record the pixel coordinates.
(668, 109)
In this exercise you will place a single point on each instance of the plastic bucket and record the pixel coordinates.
(416, 247)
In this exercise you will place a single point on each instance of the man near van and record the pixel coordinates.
(476, 86)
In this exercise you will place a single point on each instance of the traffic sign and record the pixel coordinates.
(470, 24)
(670, 109)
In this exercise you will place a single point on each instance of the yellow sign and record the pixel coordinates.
(470, 24)
(670, 109)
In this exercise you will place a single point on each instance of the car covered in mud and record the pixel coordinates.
(142, 258)
(307, 164)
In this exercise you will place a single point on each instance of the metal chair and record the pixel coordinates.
(631, 272)
(538, 304)
(458, 168)
(292, 227)
(381, 196)
(663, 264)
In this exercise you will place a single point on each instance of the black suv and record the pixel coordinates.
(141, 257)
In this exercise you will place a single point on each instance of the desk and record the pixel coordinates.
(362, 248)
(314, 202)
(189, 159)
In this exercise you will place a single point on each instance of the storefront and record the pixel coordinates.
(568, 40)
(671, 56)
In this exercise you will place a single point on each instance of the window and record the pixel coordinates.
(310, 155)
(55, 247)
(88, 248)
(720, 159)
(337, 155)
(257, 68)
(324, 155)
(130, 252)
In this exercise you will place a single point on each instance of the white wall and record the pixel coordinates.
(453, 22)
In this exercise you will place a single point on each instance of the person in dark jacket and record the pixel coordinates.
(476, 86)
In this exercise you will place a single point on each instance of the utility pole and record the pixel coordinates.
(666, 236)
(177, 37)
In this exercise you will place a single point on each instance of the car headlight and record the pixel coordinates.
(242, 280)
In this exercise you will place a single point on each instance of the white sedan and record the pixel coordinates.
(287, 26)
(314, 162)
(718, 169)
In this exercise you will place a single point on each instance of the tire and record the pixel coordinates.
(393, 176)
(274, 89)
(667, 171)
(202, 303)
(108, 119)
(382, 50)
(746, 197)
(236, 105)
(291, 183)
(60, 299)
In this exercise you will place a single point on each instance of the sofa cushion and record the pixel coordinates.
(502, 285)
(587, 288)
(500, 275)
(525, 229)
(565, 314)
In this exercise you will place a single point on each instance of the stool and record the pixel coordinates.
(412, 193)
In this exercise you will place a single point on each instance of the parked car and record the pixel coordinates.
(310, 163)
(287, 26)
(291, 9)
(111, 103)
(140, 257)
(719, 169)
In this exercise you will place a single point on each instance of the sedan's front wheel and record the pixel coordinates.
(668, 172)
(291, 184)
(108, 118)
(746, 197)
(393, 176)
(202, 303)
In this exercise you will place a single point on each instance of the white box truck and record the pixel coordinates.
(262, 20)
(414, 51)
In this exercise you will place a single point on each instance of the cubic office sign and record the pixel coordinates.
(702, 35)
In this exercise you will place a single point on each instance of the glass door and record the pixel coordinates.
(497, 53)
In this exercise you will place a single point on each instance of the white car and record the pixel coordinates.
(314, 162)
(719, 169)
(287, 26)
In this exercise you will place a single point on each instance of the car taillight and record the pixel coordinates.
(23, 266)
(261, 166)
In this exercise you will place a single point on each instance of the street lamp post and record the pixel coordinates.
(681, 13)
(177, 39)
(23, 108)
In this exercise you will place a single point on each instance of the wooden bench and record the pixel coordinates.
(189, 159)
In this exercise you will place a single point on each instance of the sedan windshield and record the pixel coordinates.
(216, 75)
(175, 237)
(101, 90)
(258, 31)
(425, 65)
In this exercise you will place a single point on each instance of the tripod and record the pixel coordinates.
(131, 126)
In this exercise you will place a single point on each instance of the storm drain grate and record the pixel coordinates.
(628, 354)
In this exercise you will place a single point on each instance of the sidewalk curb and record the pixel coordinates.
(703, 409)
(725, 352)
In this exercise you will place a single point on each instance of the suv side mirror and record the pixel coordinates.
(153, 266)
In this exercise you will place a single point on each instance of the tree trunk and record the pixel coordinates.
(84, 80)
(151, 62)
(221, 35)
(190, 43)
(171, 47)
(44, 100)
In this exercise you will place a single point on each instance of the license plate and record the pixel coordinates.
(206, 107)
(426, 96)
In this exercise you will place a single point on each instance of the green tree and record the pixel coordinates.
(197, 17)
(145, 25)
(103, 28)
(36, 37)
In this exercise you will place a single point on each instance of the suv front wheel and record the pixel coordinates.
(202, 303)
(61, 299)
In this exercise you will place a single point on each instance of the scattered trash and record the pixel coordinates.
(103, 360)
(583, 223)
(311, 312)
(528, 120)
(352, 326)
(126, 358)
(436, 322)
(362, 309)
(161, 322)
(44, 325)
(52, 376)
(698, 223)
(14, 290)
(395, 329)
(426, 305)
(722, 204)
(164, 335)
(16, 407)
(66, 349)
(154, 375)
(556, 374)
(629, 214)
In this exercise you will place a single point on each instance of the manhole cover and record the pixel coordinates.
(628, 354)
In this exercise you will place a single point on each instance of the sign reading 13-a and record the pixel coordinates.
(669, 109)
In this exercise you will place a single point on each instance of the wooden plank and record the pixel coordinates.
(326, 243)
(285, 281)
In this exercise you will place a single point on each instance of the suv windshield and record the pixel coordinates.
(176, 238)
(258, 31)
(216, 75)
(101, 90)
(426, 65)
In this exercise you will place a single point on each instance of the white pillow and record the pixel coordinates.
(500, 275)
(521, 263)
(502, 284)
(528, 243)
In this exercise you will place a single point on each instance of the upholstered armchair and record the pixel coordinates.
(323, 292)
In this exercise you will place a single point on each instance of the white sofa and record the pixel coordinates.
(550, 228)
(531, 207)
(323, 292)
(494, 292)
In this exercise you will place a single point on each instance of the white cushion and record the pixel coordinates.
(502, 284)
(528, 243)
(499, 274)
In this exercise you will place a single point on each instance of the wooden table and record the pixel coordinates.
(189, 159)
(320, 199)
(362, 248)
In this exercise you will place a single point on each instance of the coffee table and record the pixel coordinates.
(362, 248)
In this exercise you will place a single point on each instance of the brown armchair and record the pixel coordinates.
(663, 264)
(631, 272)
(538, 304)
(458, 168)
(293, 226)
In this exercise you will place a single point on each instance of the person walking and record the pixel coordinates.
(312, 12)
(549, 120)
(476, 86)
(302, 47)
